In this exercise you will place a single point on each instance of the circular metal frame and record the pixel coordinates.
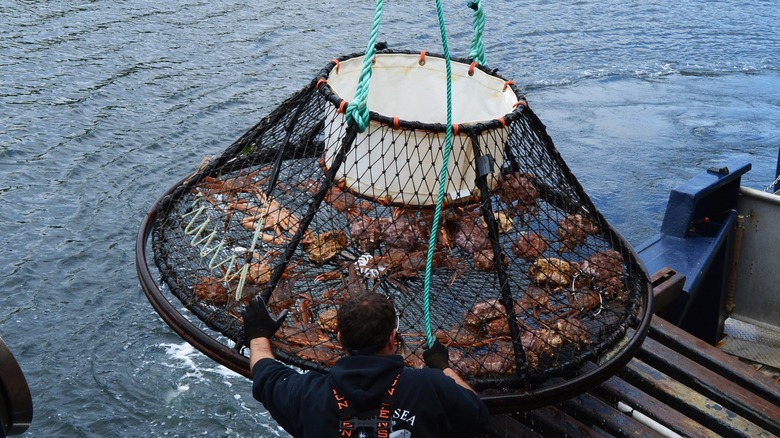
(501, 402)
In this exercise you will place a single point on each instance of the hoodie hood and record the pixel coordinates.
(363, 379)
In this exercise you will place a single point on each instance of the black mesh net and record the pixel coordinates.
(528, 280)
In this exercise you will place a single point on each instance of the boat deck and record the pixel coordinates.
(756, 345)
(677, 385)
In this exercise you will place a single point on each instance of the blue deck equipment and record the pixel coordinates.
(696, 240)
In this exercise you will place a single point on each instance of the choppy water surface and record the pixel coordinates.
(107, 104)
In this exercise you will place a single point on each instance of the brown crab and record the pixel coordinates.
(482, 313)
(518, 191)
(529, 246)
(366, 232)
(573, 230)
(503, 222)
(484, 260)
(536, 300)
(270, 215)
(242, 183)
(211, 290)
(572, 330)
(584, 299)
(403, 231)
(552, 271)
(471, 237)
(344, 201)
(327, 321)
(324, 247)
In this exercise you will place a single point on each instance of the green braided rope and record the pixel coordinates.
(357, 110)
(477, 46)
(442, 180)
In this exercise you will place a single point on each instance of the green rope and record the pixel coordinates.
(477, 46)
(442, 180)
(357, 110)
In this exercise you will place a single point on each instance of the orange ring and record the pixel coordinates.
(455, 129)
(471, 68)
(502, 122)
(422, 57)
(338, 64)
(522, 103)
(373, 60)
(320, 82)
(343, 107)
(396, 125)
(508, 83)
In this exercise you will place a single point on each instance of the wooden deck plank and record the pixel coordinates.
(723, 391)
(703, 409)
(618, 390)
(713, 359)
(551, 421)
(593, 411)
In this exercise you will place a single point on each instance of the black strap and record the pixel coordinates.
(378, 419)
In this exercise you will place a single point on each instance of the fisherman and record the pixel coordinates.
(369, 392)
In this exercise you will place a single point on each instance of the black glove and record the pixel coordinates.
(436, 356)
(258, 322)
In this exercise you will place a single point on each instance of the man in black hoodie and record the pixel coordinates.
(367, 393)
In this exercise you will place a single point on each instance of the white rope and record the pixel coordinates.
(774, 184)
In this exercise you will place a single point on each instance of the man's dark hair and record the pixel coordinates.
(366, 322)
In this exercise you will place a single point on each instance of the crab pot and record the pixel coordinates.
(528, 279)
(408, 93)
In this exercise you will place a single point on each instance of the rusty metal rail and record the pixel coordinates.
(676, 385)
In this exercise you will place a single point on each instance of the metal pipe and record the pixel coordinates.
(732, 284)
(647, 421)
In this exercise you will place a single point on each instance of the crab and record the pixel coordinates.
(584, 299)
(308, 342)
(339, 197)
(484, 260)
(345, 202)
(327, 321)
(269, 216)
(324, 247)
(504, 222)
(518, 191)
(529, 246)
(481, 314)
(243, 183)
(403, 231)
(471, 237)
(211, 290)
(494, 358)
(537, 300)
(282, 297)
(572, 329)
(603, 271)
(573, 230)
(366, 232)
(552, 271)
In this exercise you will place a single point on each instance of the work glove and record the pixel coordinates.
(258, 322)
(436, 356)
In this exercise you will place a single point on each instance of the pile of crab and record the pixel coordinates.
(562, 274)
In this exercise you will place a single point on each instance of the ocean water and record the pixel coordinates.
(104, 105)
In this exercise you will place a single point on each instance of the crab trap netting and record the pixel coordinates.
(527, 279)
